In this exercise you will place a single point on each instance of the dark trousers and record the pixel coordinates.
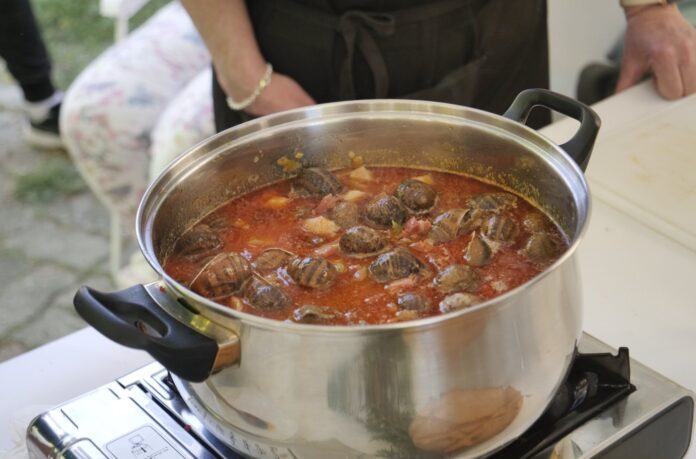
(23, 49)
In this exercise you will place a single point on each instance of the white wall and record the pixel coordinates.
(580, 31)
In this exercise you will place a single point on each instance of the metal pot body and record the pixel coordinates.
(461, 384)
(328, 395)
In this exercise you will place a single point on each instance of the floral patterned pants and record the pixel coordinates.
(136, 107)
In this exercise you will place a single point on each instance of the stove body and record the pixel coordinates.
(143, 416)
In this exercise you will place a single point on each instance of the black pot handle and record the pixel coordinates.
(579, 147)
(131, 317)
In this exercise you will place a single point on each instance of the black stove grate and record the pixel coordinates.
(594, 383)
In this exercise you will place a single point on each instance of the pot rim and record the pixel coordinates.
(314, 112)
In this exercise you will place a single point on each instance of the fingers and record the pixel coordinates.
(662, 39)
(688, 70)
(632, 70)
(688, 76)
(674, 72)
(668, 78)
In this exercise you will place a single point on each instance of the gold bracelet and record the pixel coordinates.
(263, 82)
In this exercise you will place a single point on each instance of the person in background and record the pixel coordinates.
(144, 95)
(24, 52)
(133, 109)
(271, 56)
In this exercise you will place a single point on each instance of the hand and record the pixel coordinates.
(658, 38)
(282, 94)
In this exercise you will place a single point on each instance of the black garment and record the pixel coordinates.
(23, 49)
(479, 53)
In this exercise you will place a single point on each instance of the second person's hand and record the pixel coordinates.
(660, 40)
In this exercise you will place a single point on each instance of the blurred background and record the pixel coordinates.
(54, 233)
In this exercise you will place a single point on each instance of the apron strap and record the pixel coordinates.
(359, 28)
(355, 27)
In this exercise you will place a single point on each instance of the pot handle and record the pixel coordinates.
(579, 147)
(133, 318)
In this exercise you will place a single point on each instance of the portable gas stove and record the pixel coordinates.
(610, 407)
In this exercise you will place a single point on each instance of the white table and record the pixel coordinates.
(638, 273)
(40, 379)
(638, 287)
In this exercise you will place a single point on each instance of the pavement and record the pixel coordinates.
(50, 243)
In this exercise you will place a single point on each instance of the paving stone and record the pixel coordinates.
(25, 297)
(9, 126)
(5, 179)
(59, 319)
(10, 95)
(41, 231)
(14, 217)
(45, 240)
(6, 183)
(82, 211)
(19, 158)
(46, 250)
(10, 119)
(98, 281)
(13, 264)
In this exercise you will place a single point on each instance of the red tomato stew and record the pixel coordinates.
(365, 246)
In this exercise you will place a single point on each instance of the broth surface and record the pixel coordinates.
(277, 216)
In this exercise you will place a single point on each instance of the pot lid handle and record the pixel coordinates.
(579, 147)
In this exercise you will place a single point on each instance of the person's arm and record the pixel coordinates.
(659, 39)
(239, 65)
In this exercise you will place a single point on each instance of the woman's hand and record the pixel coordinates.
(283, 93)
(239, 65)
(659, 39)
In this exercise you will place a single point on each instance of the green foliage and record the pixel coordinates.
(76, 34)
(48, 181)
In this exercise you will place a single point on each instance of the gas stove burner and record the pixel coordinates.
(609, 407)
(594, 383)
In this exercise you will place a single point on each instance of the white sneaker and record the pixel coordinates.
(42, 129)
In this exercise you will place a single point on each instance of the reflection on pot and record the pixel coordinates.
(377, 385)
(464, 417)
(377, 388)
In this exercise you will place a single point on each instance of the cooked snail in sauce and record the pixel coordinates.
(365, 246)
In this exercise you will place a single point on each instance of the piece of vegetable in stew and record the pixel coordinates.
(365, 246)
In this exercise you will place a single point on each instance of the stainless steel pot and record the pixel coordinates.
(462, 384)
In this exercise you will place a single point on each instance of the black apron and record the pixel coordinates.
(478, 53)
